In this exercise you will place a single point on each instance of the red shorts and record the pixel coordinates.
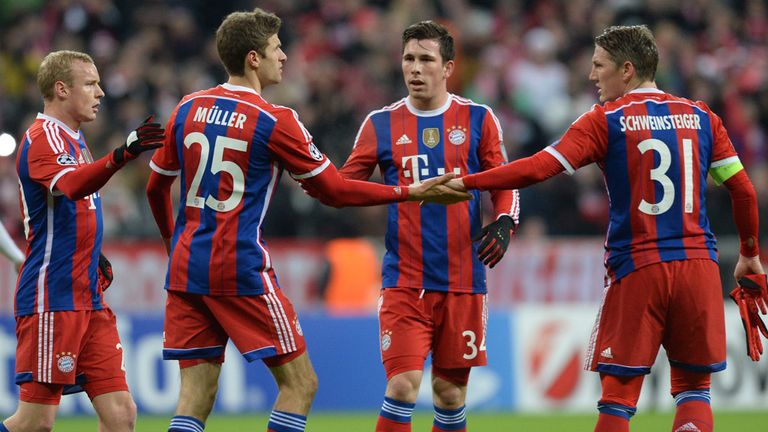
(451, 325)
(67, 352)
(676, 304)
(261, 327)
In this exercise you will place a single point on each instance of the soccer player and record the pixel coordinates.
(67, 335)
(230, 146)
(662, 283)
(434, 290)
(9, 249)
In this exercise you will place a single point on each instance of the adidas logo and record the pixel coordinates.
(403, 140)
(607, 353)
(688, 427)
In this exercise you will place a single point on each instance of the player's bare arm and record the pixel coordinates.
(435, 190)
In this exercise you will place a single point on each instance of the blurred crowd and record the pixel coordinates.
(528, 60)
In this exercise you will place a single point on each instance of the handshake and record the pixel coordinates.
(444, 189)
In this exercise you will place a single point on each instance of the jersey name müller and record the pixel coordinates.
(229, 148)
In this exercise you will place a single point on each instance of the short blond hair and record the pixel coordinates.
(57, 66)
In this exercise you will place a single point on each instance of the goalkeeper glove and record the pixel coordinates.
(750, 295)
(105, 273)
(495, 237)
(148, 136)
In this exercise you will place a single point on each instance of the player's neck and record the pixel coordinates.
(430, 104)
(59, 112)
(640, 85)
(246, 81)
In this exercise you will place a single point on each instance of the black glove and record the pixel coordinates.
(148, 136)
(495, 237)
(105, 273)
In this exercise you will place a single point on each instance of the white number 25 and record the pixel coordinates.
(217, 165)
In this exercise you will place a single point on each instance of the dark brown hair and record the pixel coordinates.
(241, 33)
(431, 30)
(634, 44)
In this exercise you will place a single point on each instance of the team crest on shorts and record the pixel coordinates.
(297, 326)
(457, 135)
(386, 339)
(66, 362)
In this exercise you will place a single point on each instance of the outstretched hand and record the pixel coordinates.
(148, 136)
(456, 184)
(434, 190)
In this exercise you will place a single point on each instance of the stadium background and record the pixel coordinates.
(528, 60)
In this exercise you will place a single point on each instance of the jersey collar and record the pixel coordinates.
(70, 132)
(429, 113)
(646, 90)
(233, 87)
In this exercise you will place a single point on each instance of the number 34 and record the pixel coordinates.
(471, 340)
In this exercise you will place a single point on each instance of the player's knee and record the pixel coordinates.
(449, 397)
(308, 384)
(35, 424)
(121, 416)
(403, 387)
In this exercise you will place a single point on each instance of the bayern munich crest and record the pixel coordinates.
(386, 340)
(457, 135)
(65, 362)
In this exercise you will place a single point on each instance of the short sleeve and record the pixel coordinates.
(48, 160)
(363, 159)
(291, 144)
(492, 151)
(585, 141)
(165, 160)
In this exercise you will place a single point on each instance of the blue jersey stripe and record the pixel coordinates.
(33, 193)
(390, 266)
(620, 195)
(181, 217)
(201, 246)
(93, 274)
(477, 115)
(706, 145)
(258, 178)
(434, 218)
(669, 224)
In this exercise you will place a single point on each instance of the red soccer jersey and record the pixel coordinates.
(229, 147)
(63, 236)
(655, 151)
(429, 246)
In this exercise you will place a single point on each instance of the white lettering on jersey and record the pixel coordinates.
(419, 171)
(664, 122)
(219, 117)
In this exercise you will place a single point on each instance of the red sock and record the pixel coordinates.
(386, 425)
(693, 416)
(611, 423)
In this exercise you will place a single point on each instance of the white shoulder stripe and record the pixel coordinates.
(657, 103)
(164, 172)
(563, 161)
(314, 172)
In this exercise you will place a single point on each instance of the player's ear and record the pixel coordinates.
(252, 60)
(448, 68)
(60, 89)
(628, 71)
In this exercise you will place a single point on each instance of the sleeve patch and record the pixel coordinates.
(66, 159)
(315, 152)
